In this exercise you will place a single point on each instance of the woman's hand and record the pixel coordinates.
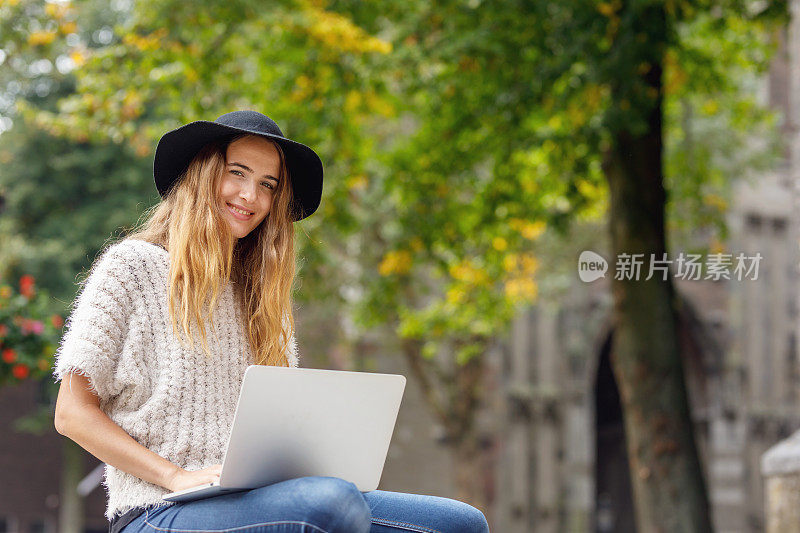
(186, 479)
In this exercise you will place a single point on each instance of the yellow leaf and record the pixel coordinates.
(77, 57)
(352, 101)
(521, 289)
(587, 189)
(455, 295)
(340, 34)
(52, 10)
(39, 38)
(529, 264)
(395, 262)
(68, 27)
(529, 230)
(510, 262)
(468, 273)
(379, 105)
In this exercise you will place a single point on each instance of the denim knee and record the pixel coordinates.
(470, 520)
(337, 504)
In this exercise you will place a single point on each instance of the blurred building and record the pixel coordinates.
(32, 467)
(739, 340)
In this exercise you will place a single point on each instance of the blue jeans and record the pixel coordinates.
(314, 505)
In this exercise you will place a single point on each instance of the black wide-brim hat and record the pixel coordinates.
(177, 148)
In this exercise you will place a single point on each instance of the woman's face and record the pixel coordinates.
(247, 188)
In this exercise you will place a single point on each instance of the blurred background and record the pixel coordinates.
(472, 150)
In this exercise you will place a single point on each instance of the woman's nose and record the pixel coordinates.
(247, 192)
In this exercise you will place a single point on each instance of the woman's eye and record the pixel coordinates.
(237, 172)
(268, 184)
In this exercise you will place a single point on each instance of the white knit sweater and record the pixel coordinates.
(175, 401)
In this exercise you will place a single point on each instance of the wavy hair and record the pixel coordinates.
(204, 254)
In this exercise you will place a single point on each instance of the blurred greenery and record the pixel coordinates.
(453, 135)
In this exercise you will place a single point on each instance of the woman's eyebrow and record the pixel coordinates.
(237, 164)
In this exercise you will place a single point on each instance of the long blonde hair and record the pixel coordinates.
(204, 254)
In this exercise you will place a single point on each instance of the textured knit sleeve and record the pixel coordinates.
(98, 324)
(291, 347)
(291, 355)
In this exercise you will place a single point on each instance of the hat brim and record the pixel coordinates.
(177, 148)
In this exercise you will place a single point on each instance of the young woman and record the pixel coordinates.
(213, 262)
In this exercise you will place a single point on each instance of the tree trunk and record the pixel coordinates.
(454, 400)
(70, 512)
(666, 476)
(470, 473)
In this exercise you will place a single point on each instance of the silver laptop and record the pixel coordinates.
(296, 422)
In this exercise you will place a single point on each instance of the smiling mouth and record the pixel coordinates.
(238, 213)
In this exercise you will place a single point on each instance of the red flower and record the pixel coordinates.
(57, 321)
(9, 355)
(20, 371)
(32, 326)
(3, 330)
(26, 283)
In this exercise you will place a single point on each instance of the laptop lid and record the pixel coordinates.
(296, 422)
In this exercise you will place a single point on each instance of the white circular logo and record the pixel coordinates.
(591, 266)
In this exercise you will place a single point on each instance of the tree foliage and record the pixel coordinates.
(455, 134)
